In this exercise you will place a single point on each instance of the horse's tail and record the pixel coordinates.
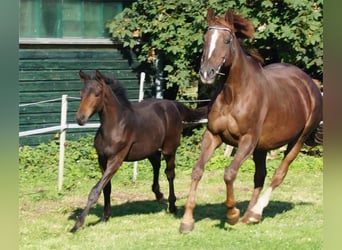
(192, 115)
(316, 136)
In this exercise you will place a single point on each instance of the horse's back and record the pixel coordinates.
(158, 124)
(291, 80)
(295, 103)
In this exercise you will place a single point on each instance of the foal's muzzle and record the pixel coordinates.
(81, 119)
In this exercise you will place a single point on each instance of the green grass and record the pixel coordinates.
(293, 219)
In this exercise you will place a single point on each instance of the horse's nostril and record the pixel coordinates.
(80, 119)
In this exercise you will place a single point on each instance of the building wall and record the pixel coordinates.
(46, 72)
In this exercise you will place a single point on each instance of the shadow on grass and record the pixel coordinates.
(216, 211)
(128, 208)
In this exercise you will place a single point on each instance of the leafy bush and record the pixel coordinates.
(288, 31)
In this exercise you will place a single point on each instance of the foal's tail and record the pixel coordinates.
(316, 136)
(192, 115)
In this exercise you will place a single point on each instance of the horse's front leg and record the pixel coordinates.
(245, 148)
(106, 190)
(209, 144)
(113, 165)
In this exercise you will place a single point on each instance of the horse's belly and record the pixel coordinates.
(279, 134)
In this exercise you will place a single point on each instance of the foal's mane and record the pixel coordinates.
(242, 27)
(118, 90)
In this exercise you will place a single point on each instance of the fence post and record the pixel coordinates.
(141, 97)
(64, 109)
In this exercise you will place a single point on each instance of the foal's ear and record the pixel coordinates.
(83, 76)
(210, 16)
(99, 75)
(229, 16)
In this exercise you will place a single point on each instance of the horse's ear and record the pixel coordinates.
(229, 16)
(83, 75)
(99, 77)
(99, 74)
(210, 16)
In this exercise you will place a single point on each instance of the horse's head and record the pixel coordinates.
(91, 96)
(220, 42)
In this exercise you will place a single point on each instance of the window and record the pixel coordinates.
(67, 18)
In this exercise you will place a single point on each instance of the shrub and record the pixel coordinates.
(287, 31)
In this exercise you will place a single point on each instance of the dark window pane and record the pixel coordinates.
(67, 18)
(92, 19)
(51, 18)
(71, 15)
(29, 23)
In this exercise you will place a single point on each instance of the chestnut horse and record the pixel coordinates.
(131, 133)
(258, 109)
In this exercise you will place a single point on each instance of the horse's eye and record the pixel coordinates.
(227, 41)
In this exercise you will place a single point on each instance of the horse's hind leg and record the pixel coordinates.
(155, 161)
(259, 158)
(170, 174)
(277, 178)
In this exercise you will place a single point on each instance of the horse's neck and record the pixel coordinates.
(241, 69)
(112, 111)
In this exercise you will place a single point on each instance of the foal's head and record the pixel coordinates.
(92, 95)
(219, 42)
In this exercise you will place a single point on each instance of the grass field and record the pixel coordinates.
(293, 219)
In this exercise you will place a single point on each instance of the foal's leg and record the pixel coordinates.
(170, 174)
(113, 165)
(209, 144)
(278, 176)
(155, 161)
(259, 158)
(106, 190)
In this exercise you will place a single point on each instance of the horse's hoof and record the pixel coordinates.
(233, 216)
(251, 218)
(160, 197)
(173, 209)
(74, 229)
(186, 227)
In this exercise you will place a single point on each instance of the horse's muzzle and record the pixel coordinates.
(81, 119)
(207, 76)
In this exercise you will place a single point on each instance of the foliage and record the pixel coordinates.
(38, 165)
(288, 31)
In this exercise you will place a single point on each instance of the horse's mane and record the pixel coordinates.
(118, 90)
(243, 29)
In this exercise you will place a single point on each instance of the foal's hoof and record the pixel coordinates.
(74, 229)
(160, 197)
(233, 215)
(186, 227)
(173, 209)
